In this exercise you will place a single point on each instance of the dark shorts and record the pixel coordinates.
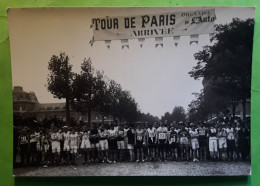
(230, 145)
(151, 146)
(184, 146)
(112, 144)
(33, 147)
(203, 142)
(162, 146)
(174, 145)
(139, 144)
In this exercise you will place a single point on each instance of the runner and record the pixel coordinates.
(213, 143)
(121, 143)
(112, 143)
(151, 141)
(230, 142)
(131, 142)
(23, 146)
(139, 140)
(203, 141)
(162, 142)
(173, 143)
(73, 146)
(103, 143)
(222, 142)
(184, 144)
(126, 128)
(94, 141)
(194, 142)
(45, 142)
(55, 145)
(66, 144)
(86, 146)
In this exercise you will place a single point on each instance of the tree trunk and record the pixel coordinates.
(244, 109)
(89, 117)
(67, 111)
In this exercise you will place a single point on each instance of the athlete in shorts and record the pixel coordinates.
(33, 149)
(23, 141)
(103, 143)
(151, 141)
(85, 146)
(145, 145)
(222, 142)
(94, 141)
(168, 148)
(139, 140)
(45, 142)
(230, 142)
(73, 146)
(112, 143)
(184, 143)
(131, 142)
(120, 143)
(194, 142)
(162, 141)
(213, 143)
(173, 143)
(38, 146)
(203, 141)
(55, 145)
(126, 128)
(66, 144)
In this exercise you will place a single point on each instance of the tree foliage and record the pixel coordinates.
(60, 78)
(226, 65)
(178, 114)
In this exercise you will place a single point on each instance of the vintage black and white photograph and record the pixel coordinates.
(131, 91)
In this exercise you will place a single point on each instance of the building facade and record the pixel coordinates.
(27, 105)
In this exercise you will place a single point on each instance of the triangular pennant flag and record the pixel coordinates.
(91, 42)
(176, 40)
(158, 41)
(107, 42)
(141, 42)
(124, 43)
(194, 39)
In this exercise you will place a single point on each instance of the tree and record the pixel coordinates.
(178, 114)
(114, 92)
(103, 101)
(85, 89)
(167, 116)
(148, 117)
(60, 78)
(226, 65)
(197, 110)
(127, 106)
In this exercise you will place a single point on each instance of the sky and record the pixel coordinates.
(157, 78)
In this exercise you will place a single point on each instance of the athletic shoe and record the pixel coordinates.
(114, 161)
(45, 166)
(137, 161)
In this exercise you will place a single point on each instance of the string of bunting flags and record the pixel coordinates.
(141, 27)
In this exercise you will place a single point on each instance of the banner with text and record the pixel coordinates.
(150, 26)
